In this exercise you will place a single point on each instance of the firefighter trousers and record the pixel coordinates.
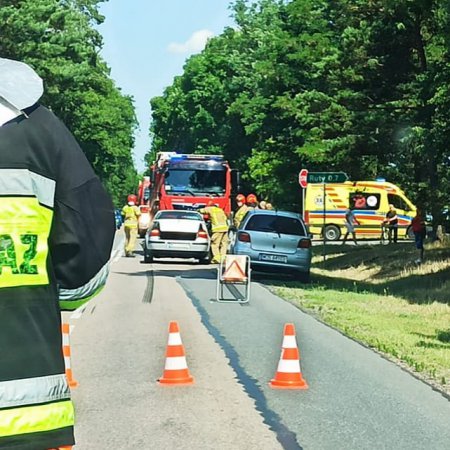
(219, 244)
(130, 239)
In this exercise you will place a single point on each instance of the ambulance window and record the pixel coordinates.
(364, 200)
(398, 202)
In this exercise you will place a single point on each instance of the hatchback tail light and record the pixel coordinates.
(244, 237)
(145, 209)
(155, 232)
(304, 243)
(202, 234)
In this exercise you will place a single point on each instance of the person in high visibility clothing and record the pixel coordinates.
(219, 228)
(252, 201)
(242, 210)
(131, 213)
(56, 234)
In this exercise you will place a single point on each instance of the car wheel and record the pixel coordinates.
(148, 257)
(205, 259)
(332, 233)
(304, 277)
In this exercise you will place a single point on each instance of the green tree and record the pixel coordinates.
(353, 85)
(60, 41)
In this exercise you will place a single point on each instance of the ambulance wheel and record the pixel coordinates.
(410, 233)
(332, 233)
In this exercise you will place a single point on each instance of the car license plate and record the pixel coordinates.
(275, 258)
(177, 246)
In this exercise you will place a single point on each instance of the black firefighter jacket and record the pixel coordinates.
(56, 234)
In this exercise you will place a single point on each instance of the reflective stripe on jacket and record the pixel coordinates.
(56, 234)
(219, 223)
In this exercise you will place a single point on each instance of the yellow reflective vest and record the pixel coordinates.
(219, 221)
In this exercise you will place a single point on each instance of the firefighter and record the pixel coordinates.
(242, 210)
(56, 234)
(252, 201)
(219, 228)
(130, 213)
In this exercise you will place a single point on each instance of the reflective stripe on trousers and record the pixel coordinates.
(35, 419)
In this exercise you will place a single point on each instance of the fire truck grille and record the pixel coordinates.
(177, 236)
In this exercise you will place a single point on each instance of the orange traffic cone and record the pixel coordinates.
(65, 328)
(289, 375)
(176, 371)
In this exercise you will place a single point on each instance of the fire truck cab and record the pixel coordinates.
(188, 182)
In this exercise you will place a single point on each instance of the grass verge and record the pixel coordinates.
(378, 296)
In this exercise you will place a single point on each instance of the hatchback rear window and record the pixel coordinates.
(178, 215)
(276, 224)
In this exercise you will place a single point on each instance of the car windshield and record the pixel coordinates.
(195, 182)
(276, 224)
(178, 215)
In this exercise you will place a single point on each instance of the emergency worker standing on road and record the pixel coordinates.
(242, 210)
(56, 233)
(130, 213)
(219, 228)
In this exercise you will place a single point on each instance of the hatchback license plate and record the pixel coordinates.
(275, 258)
(178, 246)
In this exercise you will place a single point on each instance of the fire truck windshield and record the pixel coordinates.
(195, 182)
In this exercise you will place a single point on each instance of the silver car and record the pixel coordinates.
(177, 234)
(275, 241)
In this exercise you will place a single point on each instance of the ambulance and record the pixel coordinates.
(326, 204)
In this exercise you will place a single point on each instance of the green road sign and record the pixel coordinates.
(327, 177)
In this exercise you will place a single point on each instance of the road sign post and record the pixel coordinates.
(324, 222)
(303, 182)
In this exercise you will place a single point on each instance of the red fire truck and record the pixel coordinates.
(189, 181)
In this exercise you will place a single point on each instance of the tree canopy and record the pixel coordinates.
(59, 39)
(361, 86)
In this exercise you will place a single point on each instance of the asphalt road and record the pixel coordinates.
(356, 399)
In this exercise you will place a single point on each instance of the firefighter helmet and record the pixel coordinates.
(210, 203)
(132, 198)
(240, 198)
(251, 198)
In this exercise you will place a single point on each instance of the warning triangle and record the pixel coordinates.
(234, 270)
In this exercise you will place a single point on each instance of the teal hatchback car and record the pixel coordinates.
(275, 241)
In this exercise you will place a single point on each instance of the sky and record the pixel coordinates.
(146, 43)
